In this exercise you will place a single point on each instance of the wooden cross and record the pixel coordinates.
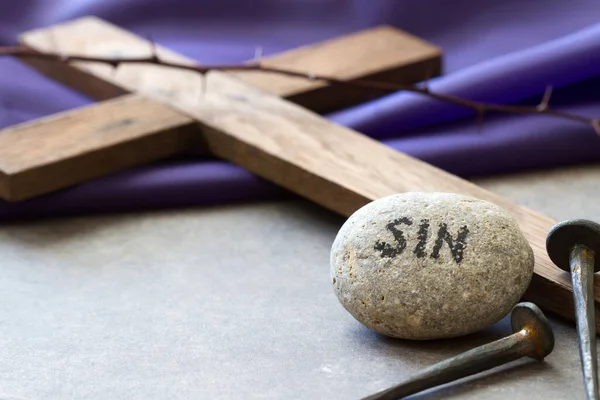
(265, 123)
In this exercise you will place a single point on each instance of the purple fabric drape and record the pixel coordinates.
(499, 51)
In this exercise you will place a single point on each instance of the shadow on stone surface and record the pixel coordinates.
(522, 369)
(446, 347)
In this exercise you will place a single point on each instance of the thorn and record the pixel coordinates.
(115, 69)
(258, 53)
(545, 103)
(203, 85)
(153, 50)
(596, 126)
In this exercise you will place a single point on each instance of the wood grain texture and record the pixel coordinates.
(85, 143)
(343, 170)
(382, 53)
(379, 53)
(334, 166)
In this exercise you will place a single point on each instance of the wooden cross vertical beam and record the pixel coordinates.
(287, 144)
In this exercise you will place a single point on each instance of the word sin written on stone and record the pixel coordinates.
(457, 245)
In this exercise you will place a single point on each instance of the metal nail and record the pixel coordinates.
(572, 245)
(532, 337)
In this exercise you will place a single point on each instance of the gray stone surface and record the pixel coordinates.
(430, 265)
(233, 303)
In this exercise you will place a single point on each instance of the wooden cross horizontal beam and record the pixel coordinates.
(381, 53)
(281, 141)
(41, 156)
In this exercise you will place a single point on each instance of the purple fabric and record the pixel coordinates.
(504, 51)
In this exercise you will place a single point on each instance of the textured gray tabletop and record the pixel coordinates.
(232, 303)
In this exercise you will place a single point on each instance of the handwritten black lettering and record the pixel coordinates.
(422, 236)
(457, 246)
(388, 250)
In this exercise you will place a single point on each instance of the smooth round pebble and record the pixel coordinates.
(430, 265)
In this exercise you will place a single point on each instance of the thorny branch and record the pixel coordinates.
(480, 108)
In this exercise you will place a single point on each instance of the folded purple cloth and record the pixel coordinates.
(497, 51)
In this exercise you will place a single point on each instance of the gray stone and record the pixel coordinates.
(430, 265)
